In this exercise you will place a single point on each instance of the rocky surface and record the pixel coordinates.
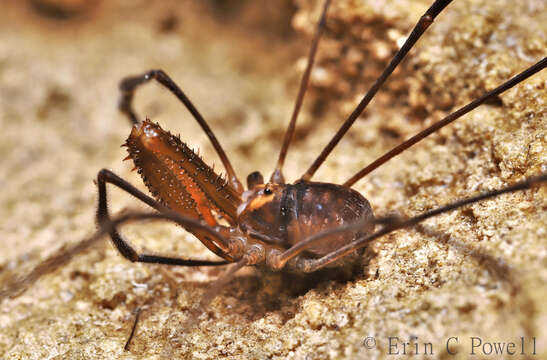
(477, 272)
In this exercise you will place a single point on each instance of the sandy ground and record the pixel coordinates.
(478, 272)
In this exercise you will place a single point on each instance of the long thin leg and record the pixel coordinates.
(64, 256)
(254, 255)
(419, 29)
(125, 249)
(61, 257)
(216, 287)
(540, 65)
(133, 328)
(390, 224)
(130, 84)
(277, 176)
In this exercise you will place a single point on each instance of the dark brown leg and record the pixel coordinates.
(419, 29)
(540, 65)
(63, 256)
(103, 218)
(133, 328)
(130, 84)
(254, 255)
(277, 176)
(389, 224)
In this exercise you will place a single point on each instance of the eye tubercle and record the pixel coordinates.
(254, 179)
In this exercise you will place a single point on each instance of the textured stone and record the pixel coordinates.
(479, 271)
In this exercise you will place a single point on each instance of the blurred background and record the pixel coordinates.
(240, 62)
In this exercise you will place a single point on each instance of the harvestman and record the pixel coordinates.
(300, 227)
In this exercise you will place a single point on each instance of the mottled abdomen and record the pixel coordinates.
(287, 214)
(316, 207)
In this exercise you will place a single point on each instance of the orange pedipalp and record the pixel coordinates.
(196, 193)
(179, 178)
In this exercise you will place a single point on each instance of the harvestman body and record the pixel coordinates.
(299, 227)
